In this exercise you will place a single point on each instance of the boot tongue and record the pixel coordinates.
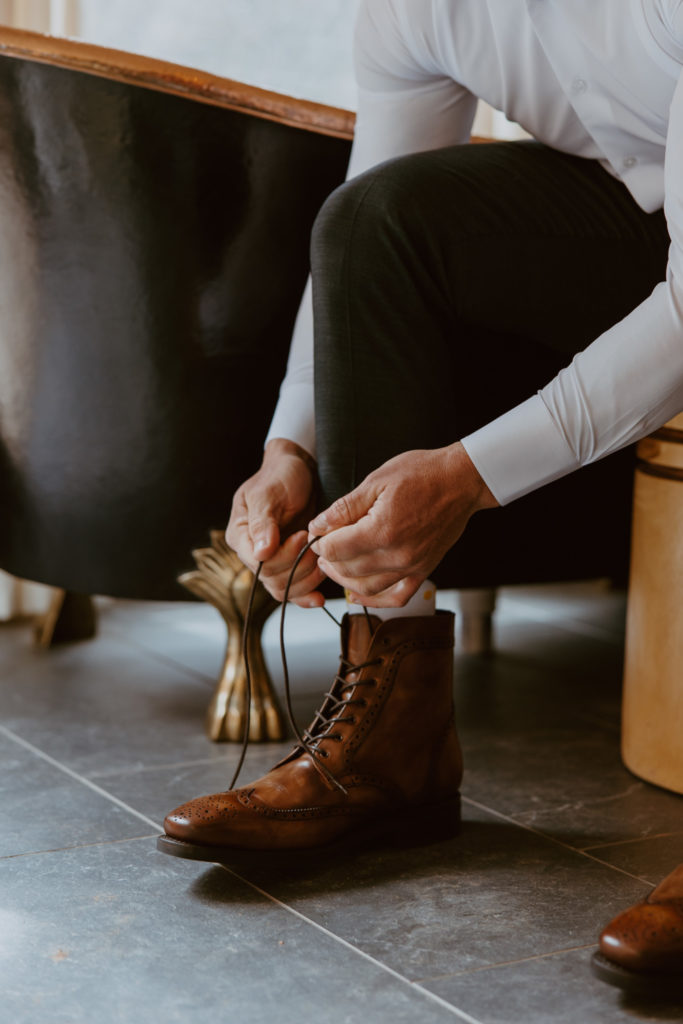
(357, 636)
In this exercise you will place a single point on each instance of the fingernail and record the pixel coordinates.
(319, 523)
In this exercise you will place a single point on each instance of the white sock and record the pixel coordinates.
(421, 603)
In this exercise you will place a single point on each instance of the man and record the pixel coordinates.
(433, 267)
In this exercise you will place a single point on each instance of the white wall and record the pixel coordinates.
(300, 47)
(56, 16)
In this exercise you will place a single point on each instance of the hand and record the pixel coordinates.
(269, 513)
(383, 539)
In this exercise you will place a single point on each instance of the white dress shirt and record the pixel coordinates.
(595, 78)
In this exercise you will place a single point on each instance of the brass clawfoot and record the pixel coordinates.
(222, 580)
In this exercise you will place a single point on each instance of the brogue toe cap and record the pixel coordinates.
(204, 820)
(647, 937)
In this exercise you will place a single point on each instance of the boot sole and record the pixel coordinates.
(637, 983)
(432, 824)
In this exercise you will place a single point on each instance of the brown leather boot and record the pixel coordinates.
(641, 950)
(383, 761)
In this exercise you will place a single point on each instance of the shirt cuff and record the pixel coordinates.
(520, 451)
(294, 419)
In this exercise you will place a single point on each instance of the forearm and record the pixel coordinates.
(627, 383)
(294, 416)
(624, 385)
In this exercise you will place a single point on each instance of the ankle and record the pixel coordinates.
(423, 602)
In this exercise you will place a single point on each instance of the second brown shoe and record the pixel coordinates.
(383, 757)
(641, 950)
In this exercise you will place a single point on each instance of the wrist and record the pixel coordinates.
(278, 447)
(479, 495)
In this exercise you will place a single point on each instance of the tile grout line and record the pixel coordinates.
(627, 842)
(606, 864)
(552, 839)
(431, 996)
(415, 986)
(509, 963)
(79, 846)
(74, 775)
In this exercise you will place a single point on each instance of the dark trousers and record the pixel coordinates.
(451, 285)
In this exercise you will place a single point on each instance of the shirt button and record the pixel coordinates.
(629, 161)
(579, 85)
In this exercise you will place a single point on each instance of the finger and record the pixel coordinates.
(237, 537)
(373, 564)
(280, 564)
(303, 587)
(363, 586)
(313, 600)
(264, 534)
(304, 593)
(252, 531)
(365, 546)
(395, 596)
(345, 511)
(276, 573)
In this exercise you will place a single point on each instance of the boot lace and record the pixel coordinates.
(335, 713)
(337, 703)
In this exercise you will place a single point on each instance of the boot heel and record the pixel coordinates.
(432, 823)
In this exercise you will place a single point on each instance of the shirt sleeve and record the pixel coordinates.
(625, 384)
(406, 104)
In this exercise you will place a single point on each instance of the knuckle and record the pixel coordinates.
(341, 508)
(327, 549)
(364, 588)
(408, 566)
(270, 577)
(385, 535)
(342, 504)
(275, 590)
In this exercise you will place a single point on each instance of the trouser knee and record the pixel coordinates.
(369, 211)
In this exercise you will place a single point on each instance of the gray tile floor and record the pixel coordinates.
(98, 740)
